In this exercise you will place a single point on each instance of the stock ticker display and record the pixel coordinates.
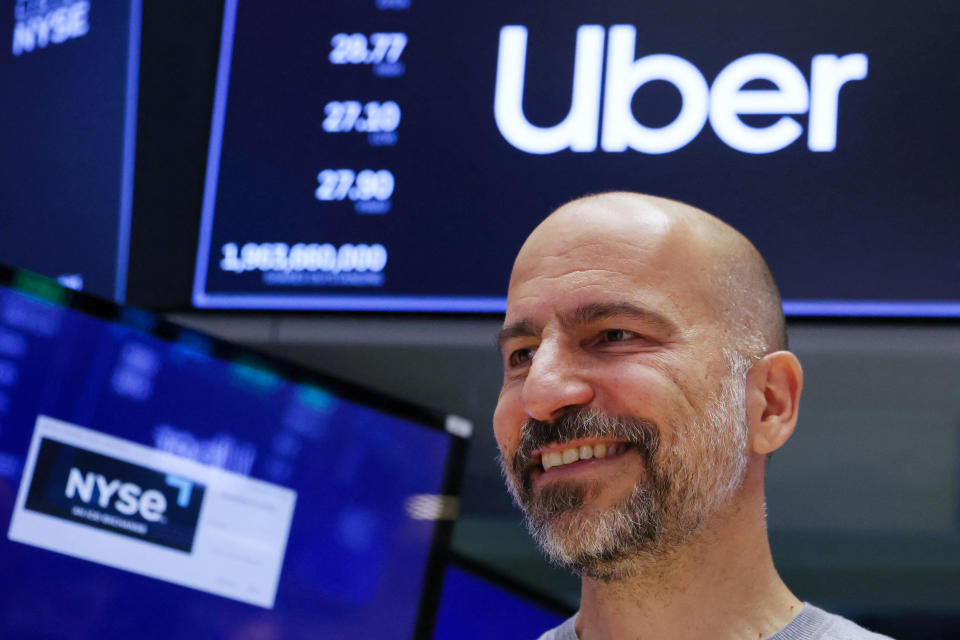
(141, 475)
(393, 154)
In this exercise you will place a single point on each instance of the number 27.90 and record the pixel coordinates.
(342, 184)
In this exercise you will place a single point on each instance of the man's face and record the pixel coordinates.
(612, 351)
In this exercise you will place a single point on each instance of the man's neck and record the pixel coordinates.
(720, 584)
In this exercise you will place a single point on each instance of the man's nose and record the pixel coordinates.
(554, 382)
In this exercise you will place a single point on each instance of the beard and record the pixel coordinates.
(683, 485)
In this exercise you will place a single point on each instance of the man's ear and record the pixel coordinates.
(773, 400)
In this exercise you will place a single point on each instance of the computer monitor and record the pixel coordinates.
(477, 603)
(68, 122)
(389, 155)
(155, 482)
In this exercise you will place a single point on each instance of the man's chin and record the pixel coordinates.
(600, 543)
(590, 552)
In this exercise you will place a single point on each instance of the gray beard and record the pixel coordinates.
(681, 488)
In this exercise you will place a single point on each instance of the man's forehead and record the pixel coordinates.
(612, 249)
(582, 239)
(601, 221)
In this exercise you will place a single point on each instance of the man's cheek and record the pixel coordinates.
(506, 435)
(504, 448)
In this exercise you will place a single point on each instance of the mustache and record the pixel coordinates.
(584, 423)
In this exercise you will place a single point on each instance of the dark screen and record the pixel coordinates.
(67, 123)
(372, 156)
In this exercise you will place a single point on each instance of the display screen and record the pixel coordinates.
(159, 487)
(475, 607)
(393, 154)
(68, 125)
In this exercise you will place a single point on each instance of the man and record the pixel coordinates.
(646, 382)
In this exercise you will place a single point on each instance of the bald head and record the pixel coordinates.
(695, 253)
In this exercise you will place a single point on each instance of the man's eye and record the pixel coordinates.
(617, 335)
(521, 356)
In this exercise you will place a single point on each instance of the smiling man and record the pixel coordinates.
(646, 381)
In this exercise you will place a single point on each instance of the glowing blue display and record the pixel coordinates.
(355, 557)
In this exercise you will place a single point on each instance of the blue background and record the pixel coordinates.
(62, 125)
(355, 561)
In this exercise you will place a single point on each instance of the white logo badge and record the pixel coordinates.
(722, 103)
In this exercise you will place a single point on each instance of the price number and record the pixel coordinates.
(343, 184)
(357, 48)
(279, 256)
(352, 115)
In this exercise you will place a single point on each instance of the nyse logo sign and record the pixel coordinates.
(94, 496)
(722, 103)
(130, 498)
(108, 493)
(42, 22)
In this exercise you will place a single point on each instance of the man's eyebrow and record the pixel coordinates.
(585, 314)
(519, 329)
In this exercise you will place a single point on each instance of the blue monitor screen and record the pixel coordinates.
(153, 488)
(68, 125)
(475, 607)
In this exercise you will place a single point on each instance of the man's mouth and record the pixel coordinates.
(562, 455)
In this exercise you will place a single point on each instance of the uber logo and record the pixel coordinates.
(722, 103)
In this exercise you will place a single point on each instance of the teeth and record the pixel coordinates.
(585, 452)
